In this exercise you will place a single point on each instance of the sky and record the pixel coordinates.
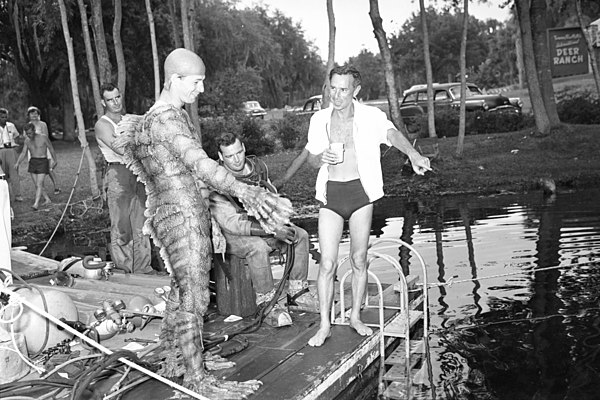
(354, 30)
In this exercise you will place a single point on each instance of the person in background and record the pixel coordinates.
(5, 230)
(246, 239)
(348, 183)
(9, 136)
(34, 116)
(39, 165)
(129, 248)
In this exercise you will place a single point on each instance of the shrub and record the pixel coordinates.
(477, 122)
(250, 130)
(291, 130)
(578, 108)
(255, 138)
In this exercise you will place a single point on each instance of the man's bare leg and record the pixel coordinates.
(360, 229)
(331, 226)
(38, 181)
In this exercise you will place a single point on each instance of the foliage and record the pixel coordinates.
(371, 70)
(291, 130)
(252, 131)
(578, 108)
(255, 138)
(500, 66)
(477, 122)
(407, 46)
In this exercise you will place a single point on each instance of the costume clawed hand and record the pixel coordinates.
(162, 149)
(271, 210)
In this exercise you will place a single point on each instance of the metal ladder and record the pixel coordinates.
(396, 382)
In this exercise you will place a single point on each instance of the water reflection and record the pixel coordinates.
(516, 313)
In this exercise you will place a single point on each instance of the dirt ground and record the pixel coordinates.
(490, 164)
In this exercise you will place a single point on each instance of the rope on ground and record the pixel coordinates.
(87, 205)
(451, 281)
(68, 202)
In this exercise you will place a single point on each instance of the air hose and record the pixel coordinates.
(259, 315)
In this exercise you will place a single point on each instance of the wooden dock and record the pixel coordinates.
(279, 357)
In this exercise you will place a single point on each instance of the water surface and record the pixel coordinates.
(514, 295)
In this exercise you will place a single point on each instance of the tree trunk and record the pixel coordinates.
(542, 122)
(463, 82)
(428, 71)
(154, 50)
(187, 14)
(519, 53)
(104, 67)
(121, 67)
(89, 53)
(388, 70)
(538, 16)
(76, 103)
(17, 26)
(330, 54)
(590, 48)
(174, 25)
(68, 114)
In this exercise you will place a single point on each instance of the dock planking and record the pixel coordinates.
(279, 357)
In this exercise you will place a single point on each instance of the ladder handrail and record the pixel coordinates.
(424, 271)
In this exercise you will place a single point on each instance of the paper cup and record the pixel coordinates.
(338, 148)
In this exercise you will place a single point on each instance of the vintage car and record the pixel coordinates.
(447, 95)
(253, 109)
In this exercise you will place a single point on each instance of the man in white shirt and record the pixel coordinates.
(8, 154)
(348, 184)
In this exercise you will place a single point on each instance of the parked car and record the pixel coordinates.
(313, 104)
(447, 95)
(253, 109)
(310, 106)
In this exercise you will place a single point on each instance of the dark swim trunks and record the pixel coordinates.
(344, 198)
(39, 165)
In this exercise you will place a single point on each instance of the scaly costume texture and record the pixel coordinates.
(161, 148)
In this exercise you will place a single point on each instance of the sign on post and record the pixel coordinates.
(568, 52)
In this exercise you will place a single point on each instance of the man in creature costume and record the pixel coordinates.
(162, 149)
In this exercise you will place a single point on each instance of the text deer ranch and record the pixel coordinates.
(568, 52)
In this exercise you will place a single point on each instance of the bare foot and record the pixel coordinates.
(35, 207)
(361, 328)
(322, 334)
(47, 201)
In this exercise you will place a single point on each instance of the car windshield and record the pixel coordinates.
(471, 91)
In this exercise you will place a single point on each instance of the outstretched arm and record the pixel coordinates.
(171, 129)
(419, 163)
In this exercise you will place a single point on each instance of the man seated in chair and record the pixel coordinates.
(246, 239)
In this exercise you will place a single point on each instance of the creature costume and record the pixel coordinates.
(163, 151)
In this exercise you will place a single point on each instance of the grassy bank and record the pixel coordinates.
(490, 164)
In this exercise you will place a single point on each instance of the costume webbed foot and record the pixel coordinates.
(213, 388)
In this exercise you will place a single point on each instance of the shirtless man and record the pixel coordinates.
(34, 116)
(39, 165)
(348, 185)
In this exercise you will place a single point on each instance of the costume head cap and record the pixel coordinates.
(33, 108)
